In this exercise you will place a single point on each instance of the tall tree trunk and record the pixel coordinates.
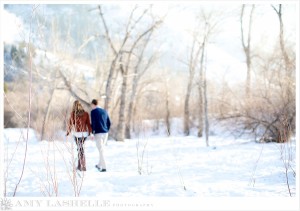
(247, 47)
(136, 78)
(288, 119)
(116, 54)
(108, 84)
(134, 111)
(281, 39)
(205, 107)
(192, 65)
(200, 88)
(186, 128)
(200, 111)
(121, 124)
(248, 79)
(186, 109)
(130, 111)
(125, 71)
(167, 118)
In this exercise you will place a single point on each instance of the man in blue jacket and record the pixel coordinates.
(100, 127)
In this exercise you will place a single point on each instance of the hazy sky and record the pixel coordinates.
(182, 19)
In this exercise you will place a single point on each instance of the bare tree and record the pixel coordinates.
(206, 121)
(125, 73)
(200, 90)
(138, 72)
(167, 100)
(210, 26)
(146, 88)
(193, 61)
(287, 61)
(247, 45)
(271, 109)
(116, 52)
(123, 60)
(281, 38)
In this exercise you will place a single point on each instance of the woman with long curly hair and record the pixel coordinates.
(80, 126)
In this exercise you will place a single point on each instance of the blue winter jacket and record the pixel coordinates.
(100, 120)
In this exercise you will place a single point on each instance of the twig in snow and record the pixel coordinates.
(252, 180)
(178, 168)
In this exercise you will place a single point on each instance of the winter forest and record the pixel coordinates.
(201, 97)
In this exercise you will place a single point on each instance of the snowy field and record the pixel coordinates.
(169, 167)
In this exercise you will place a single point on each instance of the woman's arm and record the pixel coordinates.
(69, 124)
(88, 123)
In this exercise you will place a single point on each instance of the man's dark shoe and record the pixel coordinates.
(100, 169)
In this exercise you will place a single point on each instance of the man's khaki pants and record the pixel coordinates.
(101, 139)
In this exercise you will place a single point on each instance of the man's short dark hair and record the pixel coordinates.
(95, 102)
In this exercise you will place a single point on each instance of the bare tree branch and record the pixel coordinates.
(106, 30)
(70, 88)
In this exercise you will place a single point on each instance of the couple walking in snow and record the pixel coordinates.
(80, 126)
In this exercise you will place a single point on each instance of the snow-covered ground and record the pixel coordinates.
(170, 167)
